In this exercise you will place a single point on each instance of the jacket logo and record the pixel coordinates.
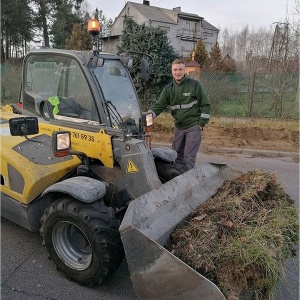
(186, 94)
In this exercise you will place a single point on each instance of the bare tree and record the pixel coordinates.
(227, 43)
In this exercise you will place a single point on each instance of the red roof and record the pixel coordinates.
(192, 63)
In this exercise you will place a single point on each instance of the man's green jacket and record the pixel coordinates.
(188, 103)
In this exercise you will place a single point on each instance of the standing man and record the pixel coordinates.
(190, 109)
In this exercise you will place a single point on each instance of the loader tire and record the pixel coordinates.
(166, 170)
(82, 239)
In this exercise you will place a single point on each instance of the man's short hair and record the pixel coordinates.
(178, 61)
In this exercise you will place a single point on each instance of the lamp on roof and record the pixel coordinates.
(93, 27)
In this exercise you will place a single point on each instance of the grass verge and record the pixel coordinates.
(164, 122)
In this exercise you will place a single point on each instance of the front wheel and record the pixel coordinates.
(82, 239)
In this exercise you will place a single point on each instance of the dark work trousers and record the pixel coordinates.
(186, 143)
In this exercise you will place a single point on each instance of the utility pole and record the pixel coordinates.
(279, 49)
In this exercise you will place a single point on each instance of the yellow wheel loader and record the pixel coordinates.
(76, 166)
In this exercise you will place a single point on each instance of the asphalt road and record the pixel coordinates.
(28, 274)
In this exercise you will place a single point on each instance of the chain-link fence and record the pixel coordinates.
(258, 95)
(11, 74)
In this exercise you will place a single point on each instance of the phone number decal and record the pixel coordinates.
(83, 136)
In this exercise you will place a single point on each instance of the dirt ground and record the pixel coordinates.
(286, 140)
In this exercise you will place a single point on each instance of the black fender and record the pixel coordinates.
(82, 188)
(164, 153)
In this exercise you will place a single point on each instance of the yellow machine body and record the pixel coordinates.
(25, 178)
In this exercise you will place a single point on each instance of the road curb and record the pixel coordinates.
(254, 152)
(242, 151)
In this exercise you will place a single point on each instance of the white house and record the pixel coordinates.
(183, 29)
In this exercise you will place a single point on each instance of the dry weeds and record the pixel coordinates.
(166, 121)
(240, 237)
(259, 134)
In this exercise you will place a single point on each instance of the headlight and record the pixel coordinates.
(148, 121)
(61, 142)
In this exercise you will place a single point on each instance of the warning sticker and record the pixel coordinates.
(131, 167)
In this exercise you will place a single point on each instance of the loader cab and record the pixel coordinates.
(53, 76)
(92, 88)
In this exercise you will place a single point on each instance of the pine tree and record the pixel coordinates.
(79, 39)
(201, 55)
(17, 28)
(105, 24)
(65, 17)
(153, 41)
(215, 60)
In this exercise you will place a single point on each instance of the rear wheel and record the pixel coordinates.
(166, 170)
(82, 239)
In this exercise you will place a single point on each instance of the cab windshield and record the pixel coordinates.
(119, 93)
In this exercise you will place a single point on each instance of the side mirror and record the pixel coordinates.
(98, 61)
(127, 60)
(23, 126)
(46, 110)
(145, 69)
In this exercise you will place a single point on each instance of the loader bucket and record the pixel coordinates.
(145, 230)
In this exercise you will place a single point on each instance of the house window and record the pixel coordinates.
(188, 24)
(164, 28)
(207, 34)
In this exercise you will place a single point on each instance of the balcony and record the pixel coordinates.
(188, 34)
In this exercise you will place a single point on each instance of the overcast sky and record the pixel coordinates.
(233, 14)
